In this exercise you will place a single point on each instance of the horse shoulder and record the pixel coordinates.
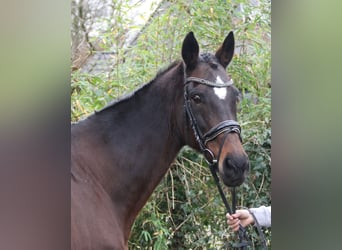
(94, 226)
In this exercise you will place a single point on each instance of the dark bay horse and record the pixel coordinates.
(121, 153)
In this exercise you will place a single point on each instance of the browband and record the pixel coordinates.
(208, 83)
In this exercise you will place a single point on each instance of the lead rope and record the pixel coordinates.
(244, 241)
(243, 238)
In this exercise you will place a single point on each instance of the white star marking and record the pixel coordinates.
(220, 92)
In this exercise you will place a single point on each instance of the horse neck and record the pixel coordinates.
(137, 140)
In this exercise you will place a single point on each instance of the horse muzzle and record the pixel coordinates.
(234, 169)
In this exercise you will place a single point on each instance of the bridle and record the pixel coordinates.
(227, 126)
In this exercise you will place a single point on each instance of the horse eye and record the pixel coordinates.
(196, 98)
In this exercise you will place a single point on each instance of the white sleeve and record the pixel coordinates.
(263, 215)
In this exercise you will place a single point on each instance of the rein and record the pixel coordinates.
(227, 126)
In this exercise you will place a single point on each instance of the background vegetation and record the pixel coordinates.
(185, 211)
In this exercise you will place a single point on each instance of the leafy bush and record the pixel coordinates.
(185, 211)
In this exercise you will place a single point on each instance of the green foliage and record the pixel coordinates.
(185, 211)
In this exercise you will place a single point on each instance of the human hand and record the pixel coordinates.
(242, 217)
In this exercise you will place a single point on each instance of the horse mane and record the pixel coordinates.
(204, 57)
(129, 96)
(166, 69)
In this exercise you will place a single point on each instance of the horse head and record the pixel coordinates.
(210, 102)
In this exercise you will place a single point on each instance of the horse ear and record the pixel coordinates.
(225, 53)
(190, 50)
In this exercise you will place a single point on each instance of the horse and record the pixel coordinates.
(120, 153)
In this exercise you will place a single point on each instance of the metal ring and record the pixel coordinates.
(211, 154)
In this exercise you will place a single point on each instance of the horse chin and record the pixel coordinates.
(232, 181)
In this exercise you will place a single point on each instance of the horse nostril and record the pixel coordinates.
(230, 163)
(234, 170)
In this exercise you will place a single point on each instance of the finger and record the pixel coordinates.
(232, 222)
(233, 227)
(233, 216)
(229, 217)
(236, 224)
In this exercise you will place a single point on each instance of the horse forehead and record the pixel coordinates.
(208, 57)
(218, 77)
(221, 93)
